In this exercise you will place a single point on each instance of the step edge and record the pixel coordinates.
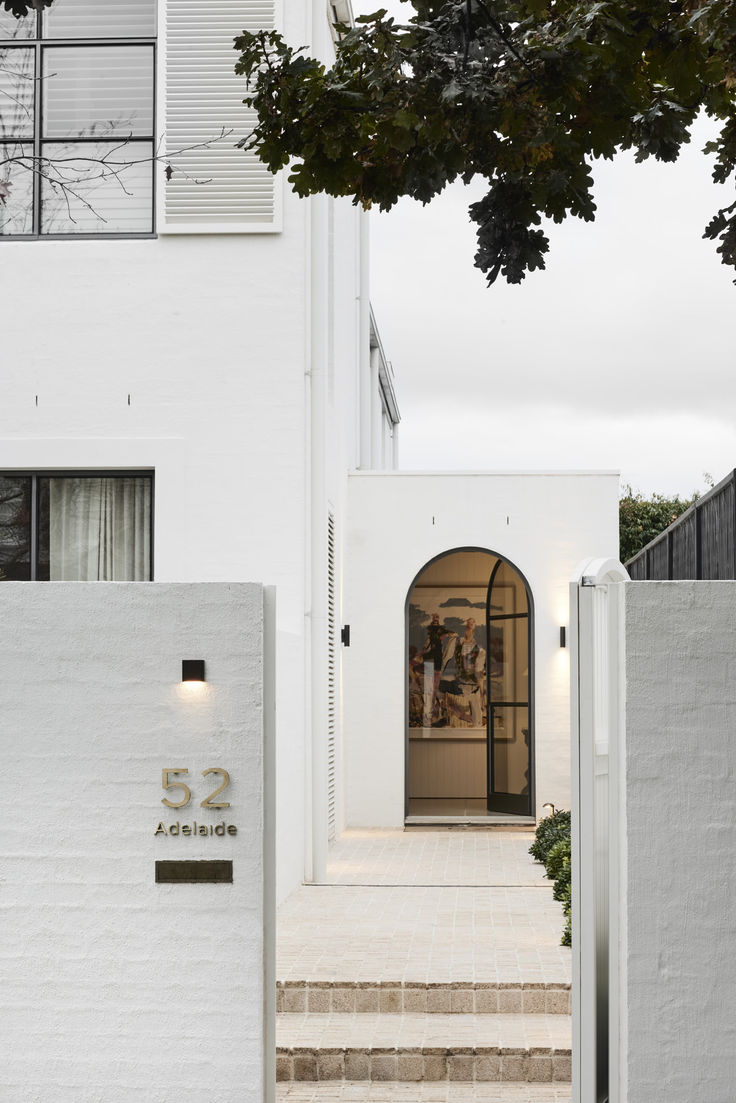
(324, 997)
(430, 1064)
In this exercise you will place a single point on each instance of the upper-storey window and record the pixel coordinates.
(77, 119)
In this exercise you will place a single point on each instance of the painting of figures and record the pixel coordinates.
(451, 656)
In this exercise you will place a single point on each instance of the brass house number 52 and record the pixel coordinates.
(186, 792)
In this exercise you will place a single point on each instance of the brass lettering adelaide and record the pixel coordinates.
(194, 829)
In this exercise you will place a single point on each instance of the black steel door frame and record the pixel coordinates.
(512, 806)
(510, 803)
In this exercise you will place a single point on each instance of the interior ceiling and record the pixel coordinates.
(462, 568)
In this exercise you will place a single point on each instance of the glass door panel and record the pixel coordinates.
(509, 660)
(509, 688)
(508, 592)
(511, 750)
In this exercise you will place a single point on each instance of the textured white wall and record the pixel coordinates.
(545, 524)
(210, 338)
(114, 987)
(679, 1041)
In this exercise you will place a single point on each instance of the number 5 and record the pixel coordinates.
(166, 784)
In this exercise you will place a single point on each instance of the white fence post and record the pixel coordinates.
(596, 690)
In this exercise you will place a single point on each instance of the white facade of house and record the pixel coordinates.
(234, 358)
(397, 522)
(242, 369)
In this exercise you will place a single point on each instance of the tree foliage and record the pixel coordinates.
(19, 8)
(524, 93)
(640, 519)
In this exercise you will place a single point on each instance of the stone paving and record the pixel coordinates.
(393, 913)
(423, 856)
(416, 1031)
(430, 998)
(426, 970)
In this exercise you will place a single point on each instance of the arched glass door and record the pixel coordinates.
(509, 692)
(468, 741)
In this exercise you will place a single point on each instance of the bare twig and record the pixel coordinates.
(69, 176)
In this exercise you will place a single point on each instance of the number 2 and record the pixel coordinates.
(209, 802)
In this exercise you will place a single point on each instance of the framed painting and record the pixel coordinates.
(448, 646)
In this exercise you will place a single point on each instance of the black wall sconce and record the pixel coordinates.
(192, 670)
(563, 636)
(345, 635)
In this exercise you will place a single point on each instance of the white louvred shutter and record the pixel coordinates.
(214, 187)
(331, 683)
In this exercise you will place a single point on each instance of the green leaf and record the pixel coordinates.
(521, 92)
(373, 17)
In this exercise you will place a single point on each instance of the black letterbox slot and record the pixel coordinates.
(194, 873)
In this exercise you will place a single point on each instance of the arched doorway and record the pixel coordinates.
(469, 716)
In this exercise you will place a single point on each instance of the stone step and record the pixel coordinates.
(396, 997)
(421, 1047)
(433, 1092)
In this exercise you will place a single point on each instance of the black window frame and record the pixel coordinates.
(39, 45)
(76, 473)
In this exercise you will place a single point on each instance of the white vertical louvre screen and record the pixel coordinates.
(214, 186)
(331, 683)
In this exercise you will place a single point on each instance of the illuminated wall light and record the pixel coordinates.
(192, 670)
(563, 636)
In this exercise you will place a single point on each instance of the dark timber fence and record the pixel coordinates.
(699, 544)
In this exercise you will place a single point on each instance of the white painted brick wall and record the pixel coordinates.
(116, 989)
(679, 1042)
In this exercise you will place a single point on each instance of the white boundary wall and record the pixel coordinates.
(544, 523)
(115, 987)
(678, 962)
(654, 862)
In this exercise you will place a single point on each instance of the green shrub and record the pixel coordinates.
(558, 866)
(641, 519)
(552, 847)
(549, 831)
(567, 910)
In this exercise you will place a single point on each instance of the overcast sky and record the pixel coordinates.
(620, 355)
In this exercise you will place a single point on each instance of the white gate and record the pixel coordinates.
(597, 704)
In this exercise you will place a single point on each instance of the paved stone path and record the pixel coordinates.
(426, 906)
(426, 970)
(423, 856)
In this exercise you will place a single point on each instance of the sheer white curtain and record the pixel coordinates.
(99, 530)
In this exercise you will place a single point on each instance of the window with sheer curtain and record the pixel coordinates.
(75, 528)
(77, 119)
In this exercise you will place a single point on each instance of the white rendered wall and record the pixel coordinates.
(543, 523)
(679, 1032)
(230, 366)
(208, 337)
(191, 356)
(115, 987)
